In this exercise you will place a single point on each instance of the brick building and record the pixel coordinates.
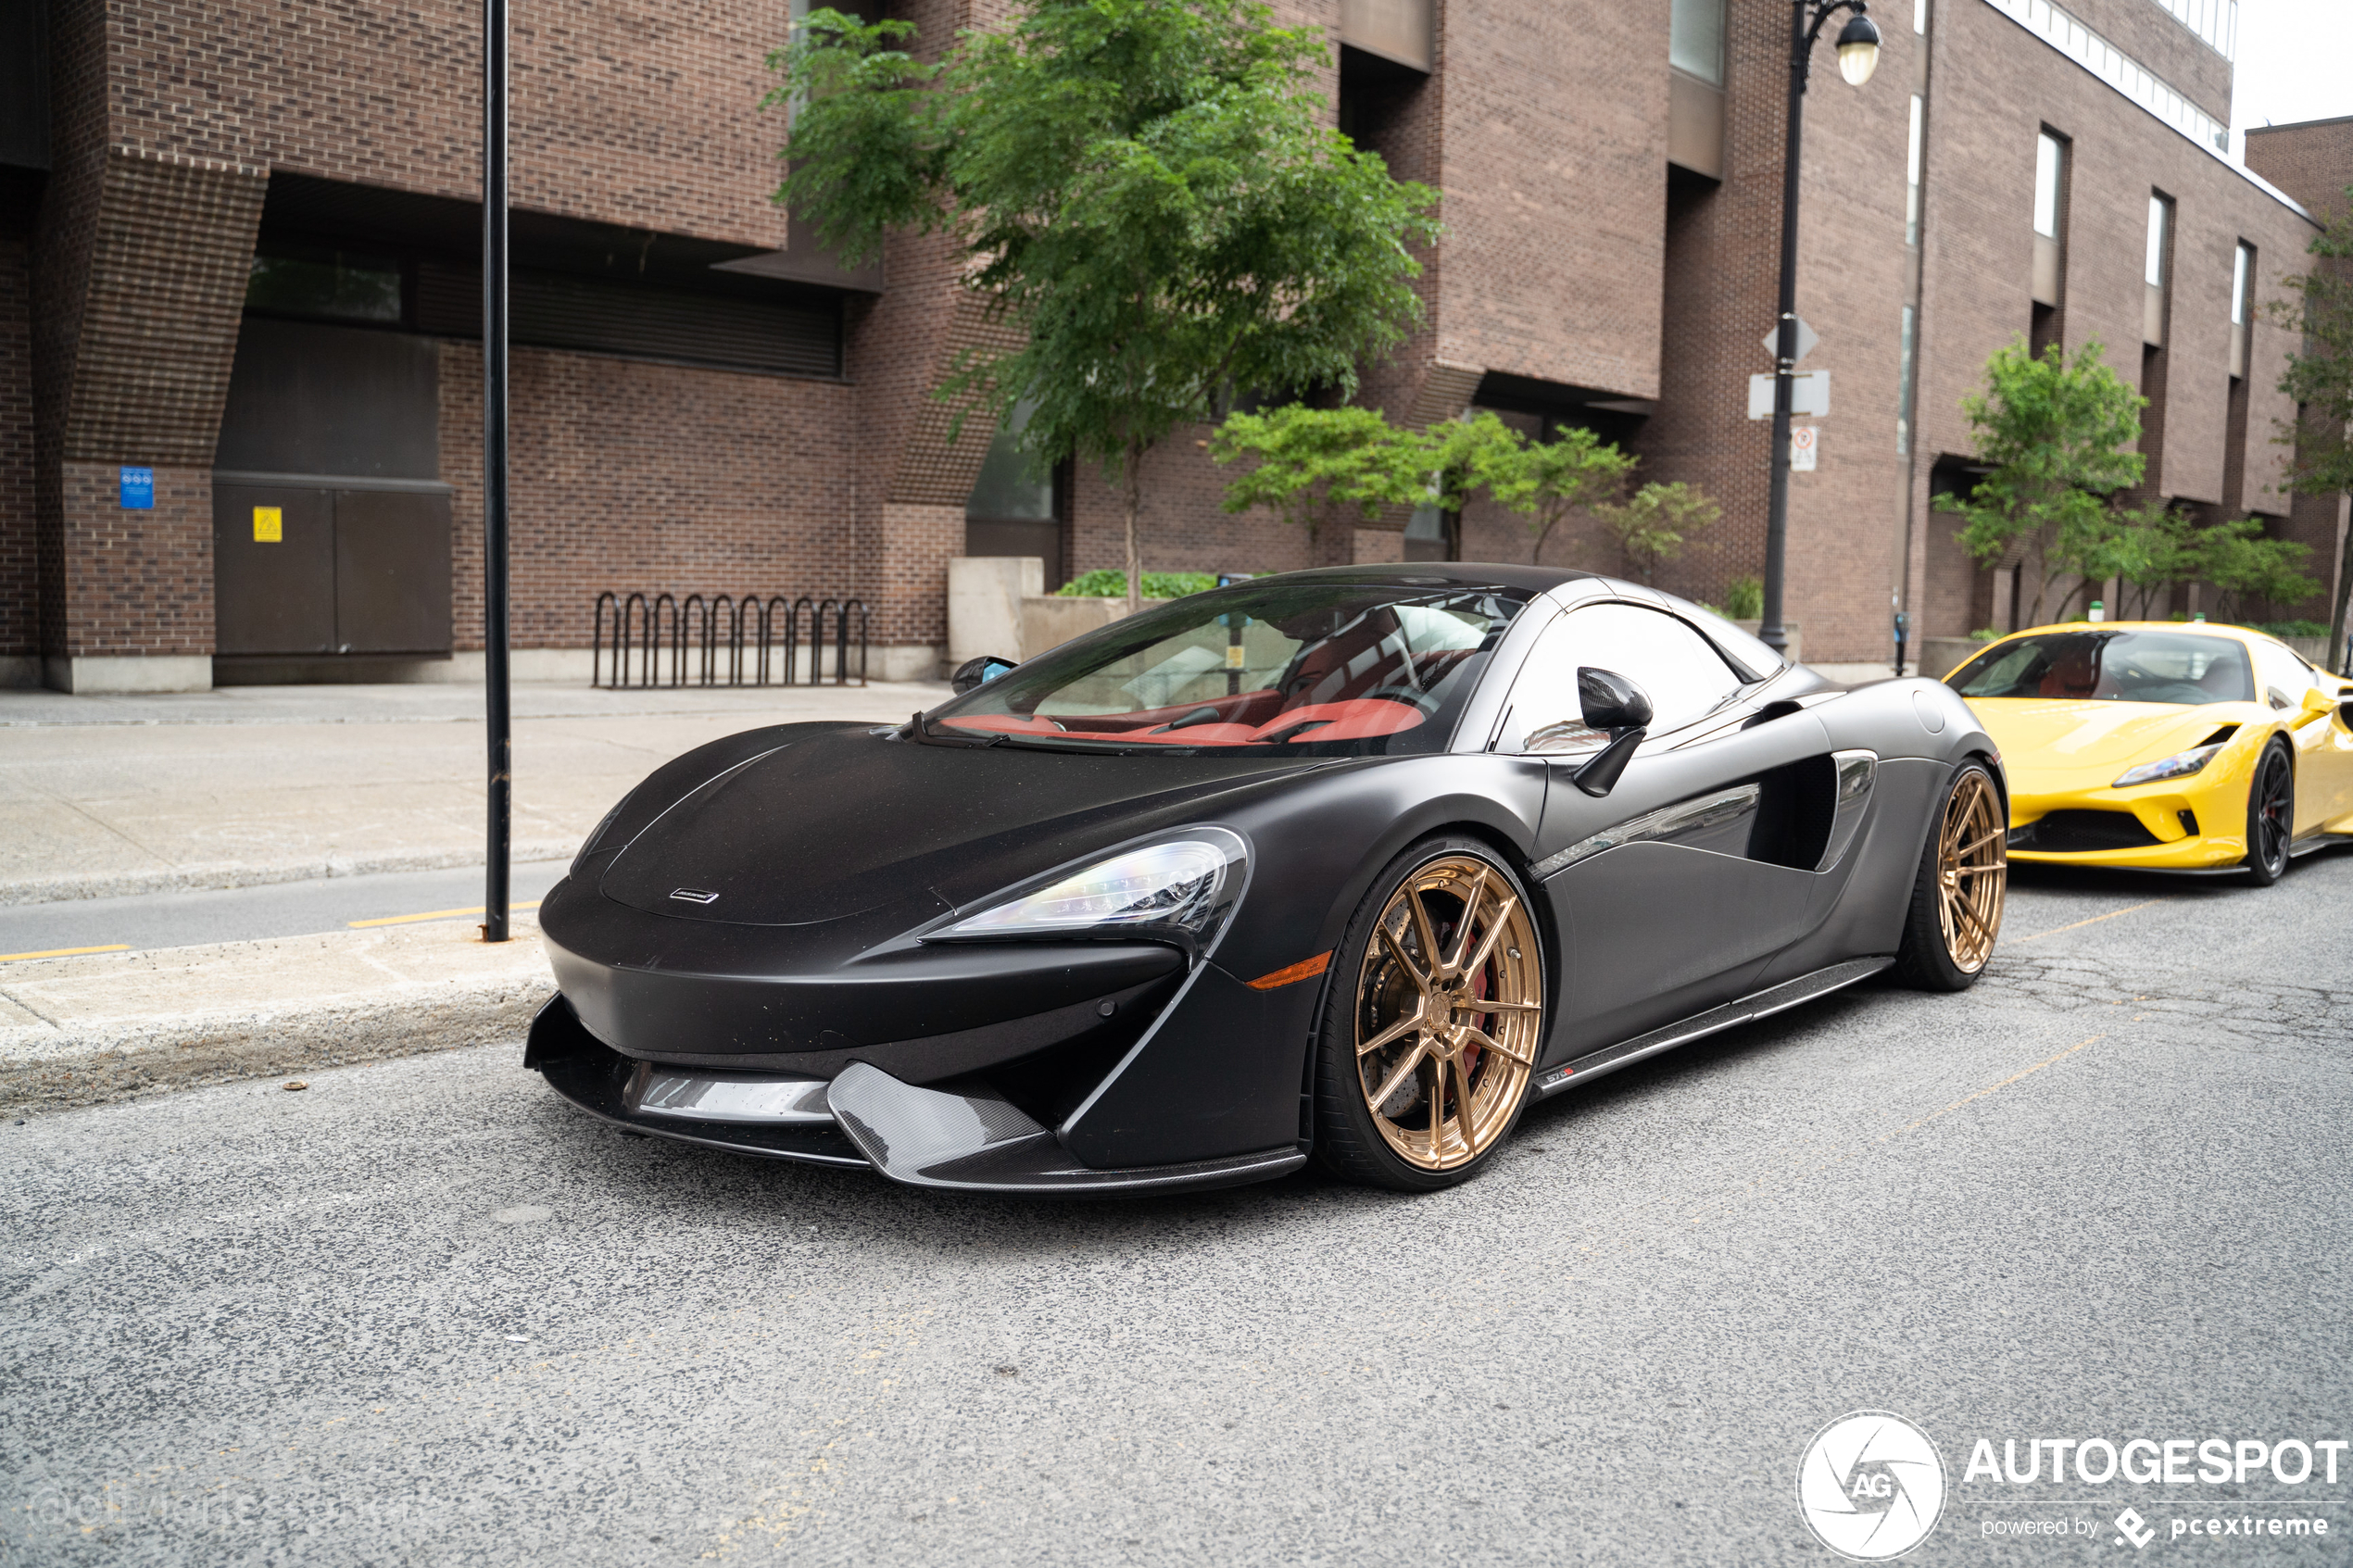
(240, 370)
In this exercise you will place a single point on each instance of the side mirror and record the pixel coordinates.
(1610, 702)
(977, 672)
(2317, 702)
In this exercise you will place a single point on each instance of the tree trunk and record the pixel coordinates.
(1135, 504)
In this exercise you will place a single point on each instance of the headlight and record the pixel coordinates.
(1187, 885)
(2180, 765)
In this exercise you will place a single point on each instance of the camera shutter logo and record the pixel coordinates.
(1870, 1485)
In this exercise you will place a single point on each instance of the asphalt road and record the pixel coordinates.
(242, 914)
(425, 1313)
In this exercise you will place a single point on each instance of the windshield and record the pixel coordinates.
(1320, 667)
(2178, 667)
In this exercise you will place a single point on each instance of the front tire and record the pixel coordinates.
(1955, 912)
(2270, 816)
(1432, 1021)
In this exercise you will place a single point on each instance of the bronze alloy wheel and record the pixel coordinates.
(1450, 1012)
(1973, 869)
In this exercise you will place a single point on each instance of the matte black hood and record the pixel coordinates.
(835, 822)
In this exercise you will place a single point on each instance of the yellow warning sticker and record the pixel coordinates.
(268, 525)
(1235, 657)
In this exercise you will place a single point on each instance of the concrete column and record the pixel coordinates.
(139, 279)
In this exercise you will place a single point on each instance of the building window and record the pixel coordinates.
(1904, 387)
(1912, 173)
(1695, 39)
(332, 285)
(2160, 219)
(2048, 158)
(2241, 281)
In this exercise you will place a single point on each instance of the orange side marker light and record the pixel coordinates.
(1306, 969)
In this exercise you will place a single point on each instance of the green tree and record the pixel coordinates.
(2156, 548)
(1146, 189)
(2057, 433)
(1310, 463)
(2238, 559)
(2320, 377)
(1653, 524)
(1545, 481)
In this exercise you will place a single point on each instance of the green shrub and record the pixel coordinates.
(1745, 598)
(1984, 635)
(2290, 628)
(1112, 583)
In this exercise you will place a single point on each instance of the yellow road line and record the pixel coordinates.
(432, 914)
(67, 952)
(2093, 920)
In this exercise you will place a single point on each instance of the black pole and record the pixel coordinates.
(1801, 47)
(494, 466)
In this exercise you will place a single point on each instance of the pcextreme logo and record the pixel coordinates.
(1870, 1485)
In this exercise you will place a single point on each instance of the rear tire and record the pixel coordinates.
(1955, 912)
(2270, 816)
(1422, 1066)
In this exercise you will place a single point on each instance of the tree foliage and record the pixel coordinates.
(2056, 432)
(2320, 378)
(1317, 463)
(2154, 546)
(1545, 481)
(1313, 464)
(1145, 188)
(1656, 521)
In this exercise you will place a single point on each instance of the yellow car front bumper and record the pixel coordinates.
(2196, 824)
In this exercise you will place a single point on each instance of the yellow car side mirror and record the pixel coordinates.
(2317, 702)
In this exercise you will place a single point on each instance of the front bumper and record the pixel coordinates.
(2198, 823)
(961, 1136)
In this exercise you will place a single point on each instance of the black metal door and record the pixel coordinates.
(392, 572)
(273, 570)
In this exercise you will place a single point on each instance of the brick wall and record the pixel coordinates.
(1553, 161)
(1995, 87)
(138, 583)
(621, 114)
(655, 478)
(20, 573)
(2313, 162)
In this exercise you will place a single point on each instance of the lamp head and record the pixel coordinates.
(1857, 49)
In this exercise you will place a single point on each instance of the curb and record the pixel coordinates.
(106, 1065)
(246, 873)
(87, 1029)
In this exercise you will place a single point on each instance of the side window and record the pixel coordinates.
(2282, 674)
(1686, 679)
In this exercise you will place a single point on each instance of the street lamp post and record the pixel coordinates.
(1857, 58)
(494, 469)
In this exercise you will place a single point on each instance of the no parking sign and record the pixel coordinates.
(1804, 442)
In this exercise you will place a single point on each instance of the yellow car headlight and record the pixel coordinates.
(2180, 765)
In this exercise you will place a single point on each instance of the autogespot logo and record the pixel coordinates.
(1870, 1485)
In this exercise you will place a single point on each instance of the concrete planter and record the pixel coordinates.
(1049, 620)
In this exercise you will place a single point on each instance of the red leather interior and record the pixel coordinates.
(1354, 719)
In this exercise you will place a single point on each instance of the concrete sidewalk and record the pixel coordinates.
(107, 796)
(102, 797)
(78, 1031)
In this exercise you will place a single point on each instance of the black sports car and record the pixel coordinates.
(1349, 863)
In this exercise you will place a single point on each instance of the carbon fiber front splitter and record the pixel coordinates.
(963, 1139)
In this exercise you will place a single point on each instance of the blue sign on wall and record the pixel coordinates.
(139, 490)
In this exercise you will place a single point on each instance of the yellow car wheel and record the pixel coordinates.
(1955, 912)
(2270, 816)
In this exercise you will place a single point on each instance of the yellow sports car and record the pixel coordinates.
(2165, 745)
